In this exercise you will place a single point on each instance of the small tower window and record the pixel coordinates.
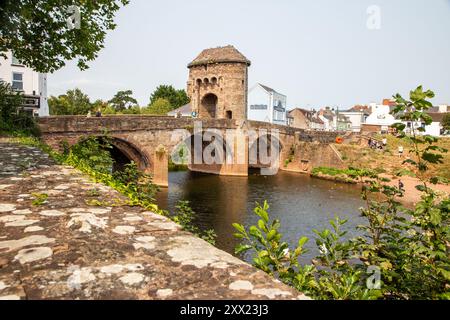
(206, 81)
(229, 114)
(199, 82)
(214, 80)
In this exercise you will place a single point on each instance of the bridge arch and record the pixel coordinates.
(261, 150)
(123, 152)
(122, 147)
(208, 106)
(204, 151)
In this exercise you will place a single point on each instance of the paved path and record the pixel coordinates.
(67, 249)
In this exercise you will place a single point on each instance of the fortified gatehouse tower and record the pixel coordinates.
(218, 84)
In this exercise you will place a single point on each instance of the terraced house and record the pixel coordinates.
(305, 119)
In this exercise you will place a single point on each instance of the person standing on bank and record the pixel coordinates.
(400, 151)
(401, 186)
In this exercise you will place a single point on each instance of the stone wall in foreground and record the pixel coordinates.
(69, 248)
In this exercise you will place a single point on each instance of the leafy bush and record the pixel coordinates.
(341, 175)
(13, 120)
(93, 151)
(184, 216)
(160, 106)
(138, 181)
(333, 171)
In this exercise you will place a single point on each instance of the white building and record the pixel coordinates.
(32, 84)
(357, 118)
(435, 129)
(327, 122)
(267, 105)
(380, 115)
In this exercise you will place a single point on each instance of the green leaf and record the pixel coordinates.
(238, 235)
(263, 214)
(239, 227)
(435, 216)
(302, 241)
(262, 225)
(240, 248)
(263, 253)
(432, 157)
(254, 231)
(271, 235)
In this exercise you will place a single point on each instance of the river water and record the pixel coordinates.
(300, 202)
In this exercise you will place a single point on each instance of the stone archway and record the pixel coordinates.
(208, 106)
(205, 151)
(262, 153)
(124, 149)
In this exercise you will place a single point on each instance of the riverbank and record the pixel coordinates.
(357, 154)
(65, 237)
(410, 197)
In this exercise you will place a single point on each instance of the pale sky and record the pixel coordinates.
(317, 52)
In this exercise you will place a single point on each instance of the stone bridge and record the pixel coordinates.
(149, 141)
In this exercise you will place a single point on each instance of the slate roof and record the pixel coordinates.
(309, 115)
(360, 108)
(437, 116)
(184, 110)
(219, 55)
(267, 88)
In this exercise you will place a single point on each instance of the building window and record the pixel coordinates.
(17, 81)
(229, 114)
(15, 61)
(278, 116)
(258, 107)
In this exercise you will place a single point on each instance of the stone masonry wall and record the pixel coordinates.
(227, 81)
(65, 248)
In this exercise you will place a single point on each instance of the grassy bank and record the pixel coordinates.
(334, 174)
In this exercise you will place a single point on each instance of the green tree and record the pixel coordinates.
(12, 118)
(160, 107)
(176, 98)
(40, 36)
(123, 100)
(101, 105)
(446, 122)
(74, 102)
(132, 110)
